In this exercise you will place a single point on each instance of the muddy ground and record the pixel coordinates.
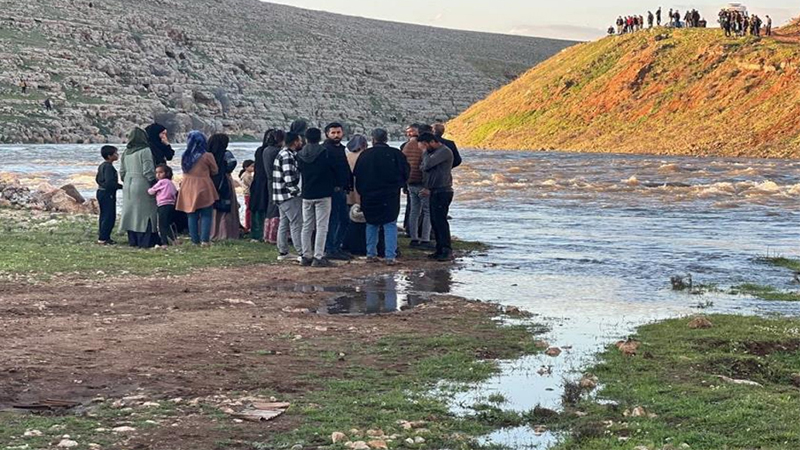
(192, 336)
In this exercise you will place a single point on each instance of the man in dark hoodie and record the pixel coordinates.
(158, 140)
(438, 131)
(318, 181)
(340, 213)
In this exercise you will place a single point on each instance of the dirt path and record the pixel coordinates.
(190, 336)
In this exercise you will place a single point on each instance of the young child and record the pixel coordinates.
(166, 196)
(246, 176)
(107, 187)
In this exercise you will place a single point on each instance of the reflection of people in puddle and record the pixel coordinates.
(438, 281)
(385, 289)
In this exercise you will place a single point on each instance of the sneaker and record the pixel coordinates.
(373, 260)
(322, 263)
(392, 262)
(286, 257)
(306, 262)
(103, 243)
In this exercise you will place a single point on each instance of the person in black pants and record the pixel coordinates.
(437, 176)
(107, 187)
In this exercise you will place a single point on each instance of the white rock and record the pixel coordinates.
(123, 429)
(67, 443)
(32, 433)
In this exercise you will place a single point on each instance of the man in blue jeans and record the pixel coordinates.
(381, 172)
(340, 213)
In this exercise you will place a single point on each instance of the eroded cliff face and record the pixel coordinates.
(238, 66)
(662, 91)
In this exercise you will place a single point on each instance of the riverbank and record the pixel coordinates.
(718, 382)
(168, 356)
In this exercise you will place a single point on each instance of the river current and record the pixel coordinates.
(585, 242)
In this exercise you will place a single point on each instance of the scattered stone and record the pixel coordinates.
(357, 445)
(541, 345)
(628, 347)
(124, 429)
(700, 323)
(238, 301)
(151, 405)
(553, 351)
(378, 445)
(638, 412)
(409, 441)
(740, 382)
(540, 430)
(589, 382)
(32, 433)
(419, 440)
(337, 437)
(67, 443)
(375, 433)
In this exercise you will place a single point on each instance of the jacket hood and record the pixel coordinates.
(310, 153)
(137, 141)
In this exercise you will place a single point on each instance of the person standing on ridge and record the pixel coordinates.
(650, 19)
(769, 26)
(658, 17)
(340, 213)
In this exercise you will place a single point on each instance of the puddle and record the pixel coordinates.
(523, 438)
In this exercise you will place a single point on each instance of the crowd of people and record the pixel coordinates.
(313, 197)
(740, 23)
(633, 23)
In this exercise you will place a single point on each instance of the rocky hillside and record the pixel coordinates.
(238, 66)
(682, 92)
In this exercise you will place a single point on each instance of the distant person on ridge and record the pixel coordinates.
(158, 139)
(769, 26)
(650, 19)
(48, 105)
(658, 17)
(340, 213)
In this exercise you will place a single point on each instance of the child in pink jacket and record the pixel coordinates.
(166, 196)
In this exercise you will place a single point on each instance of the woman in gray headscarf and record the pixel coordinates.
(139, 209)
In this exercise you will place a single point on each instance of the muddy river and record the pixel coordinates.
(587, 243)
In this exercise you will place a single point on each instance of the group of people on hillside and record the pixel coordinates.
(633, 23)
(739, 23)
(326, 200)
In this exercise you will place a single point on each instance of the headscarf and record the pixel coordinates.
(217, 146)
(196, 146)
(357, 143)
(299, 126)
(137, 140)
(161, 151)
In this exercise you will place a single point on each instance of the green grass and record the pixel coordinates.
(786, 263)
(69, 247)
(768, 293)
(40, 247)
(379, 395)
(675, 376)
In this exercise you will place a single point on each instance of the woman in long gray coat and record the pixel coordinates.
(139, 209)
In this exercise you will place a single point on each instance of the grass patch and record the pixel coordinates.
(396, 386)
(786, 263)
(675, 377)
(768, 293)
(42, 246)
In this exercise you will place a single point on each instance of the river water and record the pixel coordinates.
(585, 242)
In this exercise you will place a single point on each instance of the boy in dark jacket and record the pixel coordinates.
(318, 182)
(107, 187)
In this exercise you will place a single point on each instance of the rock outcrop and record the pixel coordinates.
(661, 91)
(45, 198)
(235, 66)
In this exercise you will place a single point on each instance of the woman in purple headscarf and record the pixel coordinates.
(198, 194)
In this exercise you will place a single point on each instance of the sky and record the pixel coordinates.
(564, 19)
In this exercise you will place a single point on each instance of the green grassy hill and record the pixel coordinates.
(661, 91)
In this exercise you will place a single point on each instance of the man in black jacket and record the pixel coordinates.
(340, 213)
(381, 171)
(438, 131)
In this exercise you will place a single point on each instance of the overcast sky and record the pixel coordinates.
(568, 19)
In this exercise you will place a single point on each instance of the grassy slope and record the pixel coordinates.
(674, 376)
(691, 92)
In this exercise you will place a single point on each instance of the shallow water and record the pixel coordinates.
(587, 243)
